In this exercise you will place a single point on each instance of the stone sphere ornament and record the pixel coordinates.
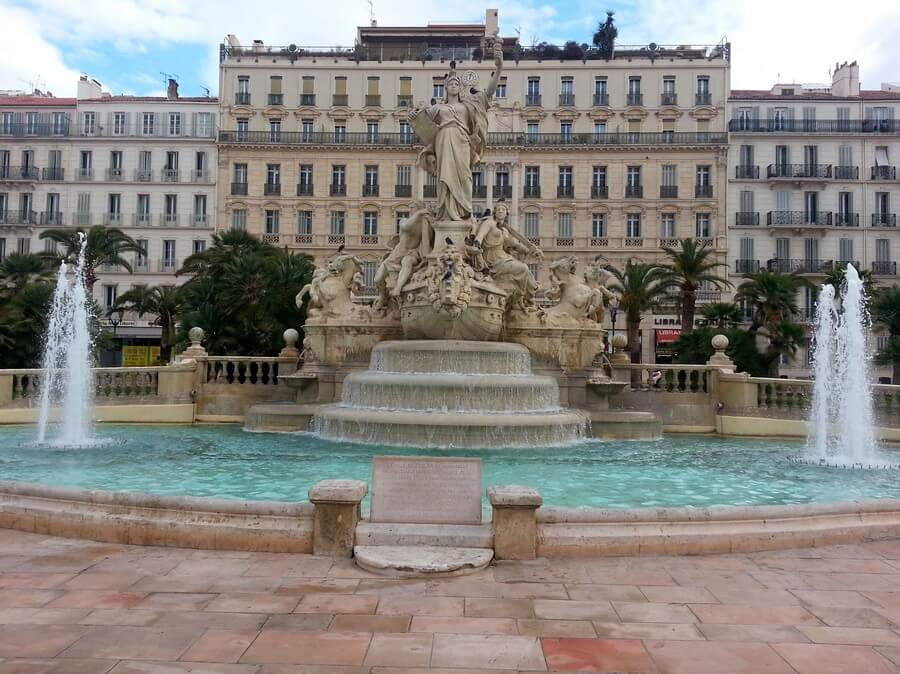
(196, 335)
(719, 342)
(291, 337)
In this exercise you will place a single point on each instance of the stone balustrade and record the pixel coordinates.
(241, 370)
(673, 378)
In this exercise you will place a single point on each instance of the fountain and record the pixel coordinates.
(67, 360)
(841, 423)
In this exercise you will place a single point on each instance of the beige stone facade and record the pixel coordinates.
(595, 157)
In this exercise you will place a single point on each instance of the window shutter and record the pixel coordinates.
(406, 86)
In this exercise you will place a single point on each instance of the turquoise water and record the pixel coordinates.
(227, 462)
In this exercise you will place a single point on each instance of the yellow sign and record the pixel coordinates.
(140, 356)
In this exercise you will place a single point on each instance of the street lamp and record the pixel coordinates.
(613, 312)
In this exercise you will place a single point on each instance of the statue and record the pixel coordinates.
(497, 241)
(454, 133)
(331, 287)
(408, 252)
(596, 278)
(578, 304)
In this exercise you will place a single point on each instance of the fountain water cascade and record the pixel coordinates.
(841, 423)
(67, 360)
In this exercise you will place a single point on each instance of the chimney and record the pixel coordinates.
(491, 23)
(172, 91)
(88, 88)
(854, 79)
(845, 81)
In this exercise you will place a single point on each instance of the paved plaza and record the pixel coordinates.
(77, 607)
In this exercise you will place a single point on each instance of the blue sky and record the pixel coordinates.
(126, 44)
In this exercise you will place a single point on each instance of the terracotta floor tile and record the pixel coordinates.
(176, 601)
(133, 643)
(591, 655)
(120, 616)
(653, 613)
(513, 571)
(399, 650)
(487, 651)
(205, 620)
(828, 565)
(866, 582)
(786, 580)
(489, 607)
(647, 630)
(434, 606)
(369, 623)
(761, 633)
(632, 577)
(27, 598)
(220, 646)
(42, 616)
(98, 599)
(755, 597)
(37, 641)
(155, 583)
(33, 580)
(309, 622)
(336, 603)
(296, 586)
(555, 628)
(292, 566)
(464, 587)
(823, 659)
(312, 648)
(716, 657)
(252, 602)
(678, 595)
(67, 666)
(435, 625)
(861, 636)
(892, 653)
(597, 592)
(246, 584)
(210, 568)
(712, 580)
(753, 615)
(183, 668)
(533, 591)
(554, 609)
(148, 566)
(102, 581)
(853, 617)
(383, 587)
(834, 598)
(885, 599)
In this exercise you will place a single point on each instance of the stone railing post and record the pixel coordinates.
(6, 388)
(337, 512)
(514, 521)
(176, 382)
(620, 361)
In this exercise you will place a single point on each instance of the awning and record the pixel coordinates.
(881, 157)
(667, 336)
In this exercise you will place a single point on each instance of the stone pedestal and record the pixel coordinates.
(514, 521)
(337, 513)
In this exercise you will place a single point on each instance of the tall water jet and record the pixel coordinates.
(856, 422)
(52, 362)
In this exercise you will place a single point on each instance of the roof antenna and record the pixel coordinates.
(372, 21)
(206, 89)
(167, 77)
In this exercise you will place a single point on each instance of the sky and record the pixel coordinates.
(128, 44)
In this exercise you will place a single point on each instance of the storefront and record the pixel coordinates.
(663, 340)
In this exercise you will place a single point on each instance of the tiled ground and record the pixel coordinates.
(73, 607)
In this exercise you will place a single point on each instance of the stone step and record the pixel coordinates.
(432, 535)
(418, 561)
(450, 355)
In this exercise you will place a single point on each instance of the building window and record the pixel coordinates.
(23, 246)
(598, 225)
(500, 91)
(204, 128)
(240, 173)
(404, 174)
(533, 129)
(532, 176)
(272, 221)
(174, 123)
(273, 174)
(306, 128)
(243, 128)
(633, 225)
(633, 176)
(337, 223)
(110, 294)
(598, 177)
(437, 90)
(599, 129)
(399, 217)
(372, 132)
(703, 230)
(120, 123)
(340, 133)
(275, 130)
(304, 222)
(148, 123)
(370, 223)
(532, 225)
(239, 219)
(199, 246)
(565, 226)
(88, 124)
(169, 253)
(565, 130)
(667, 226)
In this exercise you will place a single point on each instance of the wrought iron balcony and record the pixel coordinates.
(746, 172)
(502, 191)
(403, 191)
(168, 219)
(83, 219)
(805, 266)
(242, 98)
(404, 101)
(479, 191)
(846, 172)
(884, 173)
(634, 191)
(373, 100)
(566, 99)
(275, 99)
(668, 99)
(52, 218)
(884, 268)
(339, 100)
(884, 219)
(114, 219)
(846, 219)
(304, 189)
(746, 266)
(200, 176)
(429, 191)
(798, 218)
(634, 99)
(668, 191)
(370, 190)
(565, 191)
(44, 128)
(166, 264)
(599, 191)
(114, 174)
(12, 173)
(532, 100)
(308, 99)
(703, 191)
(199, 219)
(141, 219)
(703, 98)
(746, 218)
(239, 188)
(143, 175)
(842, 126)
(270, 189)
(53, 174)
(337, 189)
(19, 217)
(171, 175)
(532, 191)
(601, 99)
(85, 174)
(794, 171)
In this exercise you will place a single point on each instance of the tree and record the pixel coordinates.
(641, 286)
(838, 274)
(26, 290)
(164, 302)
(605, 37)
(18, 270)
(693, 264)
(721, 314)
(695, 347)
(885, 308)
(104, 245)
(572, 50)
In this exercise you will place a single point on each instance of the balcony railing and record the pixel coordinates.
(373, 100)
(634, 191)
(270, 189)
(52, 218)
(429, 191)
(884, 173)
(39, 129)
(703, 98)
(169, 219)
(18, 217)
(806, 266)
(479, 191)
(532, 100)
(746, 266)
(798, 171)
(304, 189)
(83, 219)
(746, 172)
(239, 188)
(171, 175)
(200, 219)
(703, 191)
(884, 268)
(814, 125)
(599, 191)
(114, 174)
(242, 98)
(532, 191)
(404, 101)
(85, 174)
(114, 219)
(53, 174)
(143, 176)
(846, 219)
(403, 191)
(166, 264)
(796, 218)
(338, 189)
(502, 191)
(746, 218)
(846, 172)
(668, 99)
(141, 219)
(339, 99)
(566, 99)
(370, 190)
(10, 173)
(634, 99)
(601, 99)
(565, 191)
(668, 191)
(275, 99)
(308, 99)
(884, 219)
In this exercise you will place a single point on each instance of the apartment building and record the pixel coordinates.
(146, 165)
(812, 183)
(596, 157)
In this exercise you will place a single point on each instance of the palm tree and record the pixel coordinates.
(693, 264)
(885, 308)
(722, 314)
(838, 273)
(641, 286)
(164, 302)
(18, 270)
(104, 245)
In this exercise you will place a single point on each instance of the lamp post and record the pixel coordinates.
(613, 313)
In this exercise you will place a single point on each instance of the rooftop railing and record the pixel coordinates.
(814, 126)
